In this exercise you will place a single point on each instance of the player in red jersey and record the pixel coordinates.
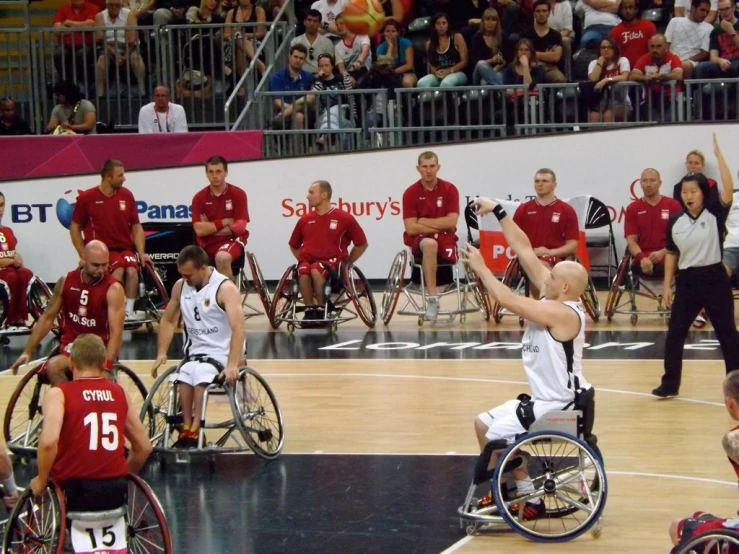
(108, 213)
(15, 276)
(89, 300)
(321, 240)
(682, 530)
(85, 424)
(219, 217)
(645, 226)
(430, 214)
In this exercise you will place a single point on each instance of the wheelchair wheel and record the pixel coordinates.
(361, 294)
(147, 525)
(393, 286)
(614, 294)
(284, 299)
(720, 541)
(590, 301)
(155, 410)
(131, 383)
(568, 478)
(4, 303)
(512, 272)
(259, 419)
(478, 290)
(39, 297)
(156, 298)
(22, 424)
(259, 283)
(37, 524)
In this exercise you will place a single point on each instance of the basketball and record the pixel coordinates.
(363, 17)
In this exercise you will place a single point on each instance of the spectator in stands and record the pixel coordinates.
(10, 123)
(171, 12)
(74, 48)
(336, 111)
(330, 10)
(560, 20)
(689, 37)
(464, 15)
(513, 18)
(397, 52)
(654, 70)
(447, 56)
(352, 54)
(117, 45)
(681, 6)
(633, 33)
(604, 98)
(72, 112)
(485, 51)
(208, 12)
(600, 19)
(724, 46)
(393, 10)
(143, 10)
(314, 43)
(525, 69)
(695, 162)
(547, 43)
(246, 39)
(161, 115)
(288, 112)
(645, 226)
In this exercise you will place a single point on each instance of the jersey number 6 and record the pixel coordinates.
(108, 433)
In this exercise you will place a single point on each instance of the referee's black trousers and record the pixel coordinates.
(695, 288)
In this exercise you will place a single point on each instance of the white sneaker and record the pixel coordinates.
(134, 316)
(432, 308)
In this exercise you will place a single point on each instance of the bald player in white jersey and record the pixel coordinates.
(551, 346)
(210, 305)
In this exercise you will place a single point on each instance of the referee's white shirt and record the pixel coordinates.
(152, 121)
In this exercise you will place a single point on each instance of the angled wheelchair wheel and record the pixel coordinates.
(156, 297)
(478, 290)
(361, 294)
(720, 541)
(393, 286)
(569, 484)
(155, 412)
(147, 525)
(37, 523)
(284, 299)
(614, 293)
(39, 297)
(590, 301)
(4, 303)
(511, 275)
(257, 415)
(259, 283)
(23, 417)
(131, 383)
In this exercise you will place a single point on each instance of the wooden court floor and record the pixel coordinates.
(663, 458)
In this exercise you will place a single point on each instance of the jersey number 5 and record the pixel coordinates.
(105, 433)
(83, 298)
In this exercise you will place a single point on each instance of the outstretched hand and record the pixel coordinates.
(473, 258)
(484, 205)
(716, 147)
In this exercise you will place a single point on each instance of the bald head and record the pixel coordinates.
(569, 281)
(161, 98)
(96, 257)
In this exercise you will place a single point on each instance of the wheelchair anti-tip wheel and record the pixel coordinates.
(393, 286)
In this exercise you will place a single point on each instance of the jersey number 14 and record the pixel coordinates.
(102, 430)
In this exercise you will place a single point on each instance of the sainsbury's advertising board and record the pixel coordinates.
(370, 185)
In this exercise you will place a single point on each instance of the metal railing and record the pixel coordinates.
(16, 56)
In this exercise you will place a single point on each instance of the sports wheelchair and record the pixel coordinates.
(24, 417)
(455, 279)
(345, 287)
(257, 285)
(255, 419)
(43, 524)
(566, 467)
(152, 299)
(627, 285)
(39, 297)
(516, 280)
(720, 541)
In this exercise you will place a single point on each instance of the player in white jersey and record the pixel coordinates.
(210, 305)
(551, 346)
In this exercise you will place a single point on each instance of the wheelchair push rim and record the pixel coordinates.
(260, 285)
(393, 286)
(39, 298)
(23, 417)
(147, 525)
(154, 413)
(719, 541)
(37, 521)
(361, 294)
(284, 300)
(259, 419)
(478, 291)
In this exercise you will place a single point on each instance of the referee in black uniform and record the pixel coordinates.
(694, 250)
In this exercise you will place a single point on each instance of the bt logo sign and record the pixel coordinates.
(25, 213)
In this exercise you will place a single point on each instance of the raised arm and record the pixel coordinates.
(727, 191)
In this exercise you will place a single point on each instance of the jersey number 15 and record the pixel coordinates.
(102, 430)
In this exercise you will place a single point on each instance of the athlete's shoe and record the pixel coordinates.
(701, 320)
(663, 392)
(486, 501)
(432, 308)
(534, 510)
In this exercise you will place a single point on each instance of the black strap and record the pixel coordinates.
(525, 411)
(202, 358)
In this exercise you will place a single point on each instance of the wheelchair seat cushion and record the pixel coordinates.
(199, 370)
(95, 495)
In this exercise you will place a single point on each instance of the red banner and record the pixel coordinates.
(52, 156)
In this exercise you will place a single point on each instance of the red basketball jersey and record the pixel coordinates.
(107, 218)
(91, 441)
(231, 204)
(85, 307)
(418, 201)
(325, 237)
(649, 222)
(547, 226)
(8, 242)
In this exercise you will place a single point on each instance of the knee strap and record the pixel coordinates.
(525, 411)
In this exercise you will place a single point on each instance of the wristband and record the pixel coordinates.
(9, 485)
(499, 212)
(108, 365)
(639, 257)
(219, 224)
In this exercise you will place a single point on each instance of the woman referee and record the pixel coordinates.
(694, 248)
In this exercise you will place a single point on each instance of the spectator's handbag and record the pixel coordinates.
(193, 84)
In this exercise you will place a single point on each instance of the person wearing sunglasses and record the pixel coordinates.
(161, 115)
(315, 44)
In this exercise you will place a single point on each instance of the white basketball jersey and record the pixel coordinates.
(551, 366)
(207, 330)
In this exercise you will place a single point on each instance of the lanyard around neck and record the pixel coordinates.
(166, 120)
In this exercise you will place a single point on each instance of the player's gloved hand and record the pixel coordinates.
(484, 205)
(161, 359)
(22, 360)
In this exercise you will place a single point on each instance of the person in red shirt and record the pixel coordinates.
(633, 33)
(682, 530)
(430, 214)
(654, 70)
(74, 47)
(108, 213)
(86, 424)
(645, 226)
(320, 241)
(219, 216)
(87, 300)
(15, 276)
